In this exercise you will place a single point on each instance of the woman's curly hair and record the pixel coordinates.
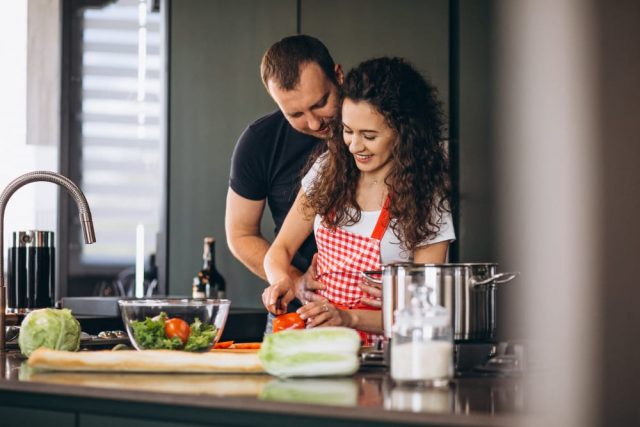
(418, 182)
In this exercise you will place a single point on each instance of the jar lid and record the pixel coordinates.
(421, 311)
(33, 239)
(433, 316)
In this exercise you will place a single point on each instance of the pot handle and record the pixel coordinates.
(498, 278)
(368, 275)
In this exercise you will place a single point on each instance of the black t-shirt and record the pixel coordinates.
(267, 162)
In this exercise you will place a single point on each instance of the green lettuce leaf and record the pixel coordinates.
(201, 336)
(150, 335)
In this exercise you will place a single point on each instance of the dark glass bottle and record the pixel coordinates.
(209, 280)
(217, 284)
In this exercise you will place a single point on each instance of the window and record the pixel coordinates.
(115, 144)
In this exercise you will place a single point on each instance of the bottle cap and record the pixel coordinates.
(422, 310)
(33, 239)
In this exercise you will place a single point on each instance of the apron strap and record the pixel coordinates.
(383, 221)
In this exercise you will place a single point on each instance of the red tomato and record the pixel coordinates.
(287, 321)
(177, 328)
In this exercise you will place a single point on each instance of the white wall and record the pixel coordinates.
(549, 189)
(34, 206)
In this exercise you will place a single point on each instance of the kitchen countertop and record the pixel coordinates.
(367, 398)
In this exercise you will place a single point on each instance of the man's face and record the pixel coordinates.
(312, 104)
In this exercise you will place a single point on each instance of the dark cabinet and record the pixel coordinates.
(215, 90)
(32, 417)
(356, 30)
(90, 420)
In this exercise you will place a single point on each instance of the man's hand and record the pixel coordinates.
(307, 285)
(277, 296)
(372, 293)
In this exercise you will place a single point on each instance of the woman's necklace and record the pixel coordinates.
(373, 190)
(372, 182)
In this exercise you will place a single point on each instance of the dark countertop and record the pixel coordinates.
(367, 398)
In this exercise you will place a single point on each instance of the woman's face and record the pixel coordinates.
(368, 137)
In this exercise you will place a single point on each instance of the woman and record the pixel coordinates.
(380, 194)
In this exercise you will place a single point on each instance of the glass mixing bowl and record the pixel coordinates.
(174, 324)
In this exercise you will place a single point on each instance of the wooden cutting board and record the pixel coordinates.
(146, 361)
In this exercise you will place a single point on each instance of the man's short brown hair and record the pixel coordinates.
(281, 63)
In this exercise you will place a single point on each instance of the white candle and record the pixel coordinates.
(139, 288)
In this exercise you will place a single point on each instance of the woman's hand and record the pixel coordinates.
(307, 285)
(323, 313)
(372, 293)
(277, 296)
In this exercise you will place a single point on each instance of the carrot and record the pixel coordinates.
(247, 345)
(223, 344)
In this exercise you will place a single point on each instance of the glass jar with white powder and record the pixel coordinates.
(422, 343)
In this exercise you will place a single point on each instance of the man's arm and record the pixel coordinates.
(242, 225)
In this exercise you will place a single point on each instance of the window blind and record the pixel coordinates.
(120, 128)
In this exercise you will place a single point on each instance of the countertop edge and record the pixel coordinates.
(270, 407)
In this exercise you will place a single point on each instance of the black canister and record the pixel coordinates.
(31, 271)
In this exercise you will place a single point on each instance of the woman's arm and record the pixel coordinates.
(296, 228)
(323, 313)
(435, 253)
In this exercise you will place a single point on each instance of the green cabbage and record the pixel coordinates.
(313, 352)
(51, 328)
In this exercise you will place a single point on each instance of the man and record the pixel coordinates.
(303, 80)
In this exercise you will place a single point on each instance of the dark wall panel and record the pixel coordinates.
(361, 29)
(476, 163)
(215, 91)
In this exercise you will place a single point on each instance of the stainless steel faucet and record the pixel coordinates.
(85, 221)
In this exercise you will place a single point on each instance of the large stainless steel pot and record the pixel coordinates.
(466, 290)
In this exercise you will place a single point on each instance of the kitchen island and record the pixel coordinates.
(172, 400)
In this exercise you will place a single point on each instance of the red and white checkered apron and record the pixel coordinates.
(342, 257)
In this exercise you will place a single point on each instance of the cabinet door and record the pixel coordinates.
(12, 416)
(356, 30)
(86, 420)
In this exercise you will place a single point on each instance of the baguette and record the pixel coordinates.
(145, 361)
